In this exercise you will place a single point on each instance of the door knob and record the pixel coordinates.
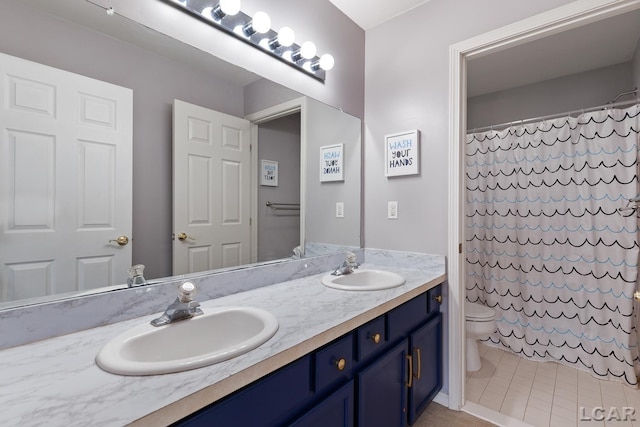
(438, 299)
(183, 236)
(121, 240)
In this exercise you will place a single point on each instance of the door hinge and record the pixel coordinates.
(250, 221)
(250, 148)
(459, 248)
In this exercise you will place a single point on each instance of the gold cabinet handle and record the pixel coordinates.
(419, 356)
(409, 383)
(183, 236)
(121, 240)
(376, 338)
(438, 299)
(341, 364)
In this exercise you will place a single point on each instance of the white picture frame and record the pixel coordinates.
(332, 163)
(268, 173)
(402, 153)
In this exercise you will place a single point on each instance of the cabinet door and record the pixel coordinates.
(382, 390)
(335, 411)
(426, 352)
(267, 402)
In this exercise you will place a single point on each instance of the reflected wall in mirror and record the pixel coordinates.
(78, 37)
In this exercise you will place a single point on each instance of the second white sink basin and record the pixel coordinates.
(364, 280)
(217, 335)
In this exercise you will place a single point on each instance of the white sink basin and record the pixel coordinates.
(364, 280)
(217, 335)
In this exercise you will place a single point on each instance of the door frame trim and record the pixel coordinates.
(277, 111)
(572, 15)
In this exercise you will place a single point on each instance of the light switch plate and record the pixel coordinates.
(392, 210)
(339, 210)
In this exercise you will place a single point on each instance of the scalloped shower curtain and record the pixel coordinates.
(547, 247)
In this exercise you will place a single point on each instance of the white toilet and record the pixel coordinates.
(480, 322)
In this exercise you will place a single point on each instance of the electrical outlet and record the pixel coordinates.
(339, 210)
(392, 210)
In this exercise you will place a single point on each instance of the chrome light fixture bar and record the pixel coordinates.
(226, 16)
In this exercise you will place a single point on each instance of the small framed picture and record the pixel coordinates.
(332, 163)
(269, 173)
(402, 153)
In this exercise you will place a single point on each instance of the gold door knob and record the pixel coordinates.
(121, 240)
(183, 236)
(341, 364)
(376, 338)
(438, 299)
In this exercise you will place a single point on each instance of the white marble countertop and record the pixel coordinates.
(56, 382)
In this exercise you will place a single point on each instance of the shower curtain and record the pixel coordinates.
(546, 246)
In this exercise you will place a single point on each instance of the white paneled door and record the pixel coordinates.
(65, 180)
(211, 189)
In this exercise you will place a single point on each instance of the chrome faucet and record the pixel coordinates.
(136, 277)
(347, 266)
(184, 307)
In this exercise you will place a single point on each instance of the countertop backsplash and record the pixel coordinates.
(23, 325)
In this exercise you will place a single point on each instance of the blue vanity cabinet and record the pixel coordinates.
(269, 401)
(426, 352)
(336, 410)
(382, 390)
(383, 373)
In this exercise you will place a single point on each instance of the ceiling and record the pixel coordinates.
(370, 13)
(589, 47)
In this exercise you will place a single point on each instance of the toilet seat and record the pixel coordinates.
(477, 312)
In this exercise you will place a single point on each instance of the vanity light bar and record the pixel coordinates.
(227, 16)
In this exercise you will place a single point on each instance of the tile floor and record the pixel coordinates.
(547, 394)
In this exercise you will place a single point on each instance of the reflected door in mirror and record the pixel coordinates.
(66, 181)
(212, 191)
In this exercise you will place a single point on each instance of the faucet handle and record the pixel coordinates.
(351, 257)
(186, 291)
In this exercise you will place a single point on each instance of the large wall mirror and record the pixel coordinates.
(79, 37)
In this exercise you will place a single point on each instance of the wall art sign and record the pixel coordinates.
(402, 153)
(269, 173)
(332, 163)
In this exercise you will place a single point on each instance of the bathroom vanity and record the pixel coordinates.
(384, 372)
(344, 354)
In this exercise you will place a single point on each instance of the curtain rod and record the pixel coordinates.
(507, 125)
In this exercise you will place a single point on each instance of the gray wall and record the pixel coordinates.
(322, 226)
(406, 87)
(561, 95)
(279, 231)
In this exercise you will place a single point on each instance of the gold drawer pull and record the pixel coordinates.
(376, 338)
(341, 364)
(410, 361)
(438, 299)
(419, 356)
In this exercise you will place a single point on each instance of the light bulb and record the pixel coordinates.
(207, 12)
(308, 50)
(230, 7)
(286, 37)
(326, 62)
(261, 22)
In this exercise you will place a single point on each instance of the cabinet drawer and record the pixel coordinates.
(434, 299)
(370, 337)
(402, 320)
(334, 362)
